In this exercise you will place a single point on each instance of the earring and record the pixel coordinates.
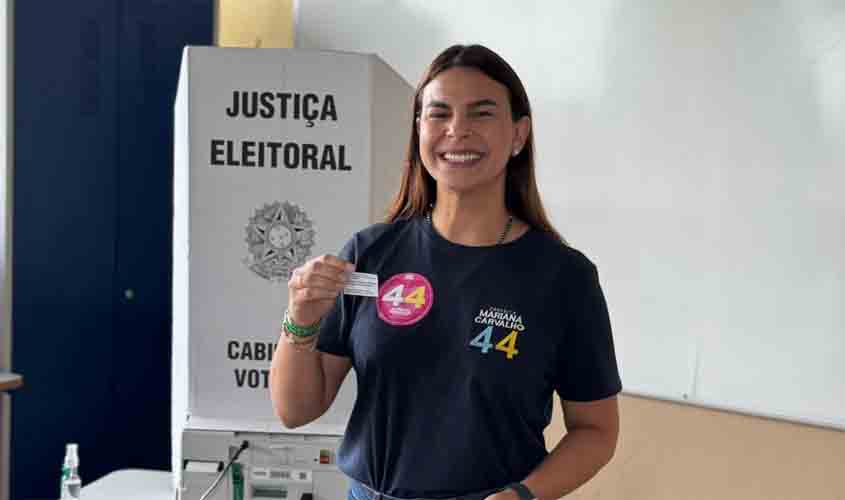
(515, 152)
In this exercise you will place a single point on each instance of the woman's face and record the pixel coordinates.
(466, 131)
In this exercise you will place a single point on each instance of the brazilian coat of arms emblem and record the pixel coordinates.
(279, 237)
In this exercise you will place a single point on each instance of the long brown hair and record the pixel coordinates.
(418, 191)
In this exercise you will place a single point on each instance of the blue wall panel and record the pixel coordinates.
(94, 89)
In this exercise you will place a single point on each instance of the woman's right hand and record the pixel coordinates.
(314, 286)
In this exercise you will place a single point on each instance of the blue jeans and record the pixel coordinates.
(359, 491)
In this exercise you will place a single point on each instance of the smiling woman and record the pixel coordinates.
(471, 110)
(483, 313)
(465, 141)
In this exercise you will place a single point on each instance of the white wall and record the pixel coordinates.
(691, 150)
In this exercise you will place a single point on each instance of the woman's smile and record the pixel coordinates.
(461, 158)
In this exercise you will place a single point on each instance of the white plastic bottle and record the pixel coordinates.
(71, 482)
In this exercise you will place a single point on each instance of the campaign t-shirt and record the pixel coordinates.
(457, 359)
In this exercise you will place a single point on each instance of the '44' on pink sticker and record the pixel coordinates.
(404, 299)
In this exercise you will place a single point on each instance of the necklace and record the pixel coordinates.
(505, 231)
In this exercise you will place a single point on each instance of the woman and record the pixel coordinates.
(483, 311)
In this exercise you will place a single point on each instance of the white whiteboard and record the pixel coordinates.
(696, 152)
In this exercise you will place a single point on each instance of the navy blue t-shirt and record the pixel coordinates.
(455, 383)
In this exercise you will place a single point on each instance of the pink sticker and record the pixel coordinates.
(404, 299)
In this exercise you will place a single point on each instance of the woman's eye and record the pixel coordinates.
(483, 113)
(438, 115)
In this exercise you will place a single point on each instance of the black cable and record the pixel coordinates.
(244, 445)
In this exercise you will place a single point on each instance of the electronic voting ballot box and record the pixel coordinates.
(280, 156)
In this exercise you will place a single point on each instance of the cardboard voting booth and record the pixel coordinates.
(280, 156)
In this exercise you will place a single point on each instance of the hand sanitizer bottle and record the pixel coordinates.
(71, 483)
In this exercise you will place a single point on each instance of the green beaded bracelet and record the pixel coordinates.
(299, 331)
